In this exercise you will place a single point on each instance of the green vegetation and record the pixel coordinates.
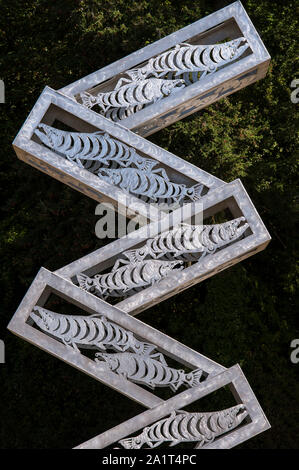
(245, 314)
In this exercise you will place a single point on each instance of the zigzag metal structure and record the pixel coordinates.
(164, 74)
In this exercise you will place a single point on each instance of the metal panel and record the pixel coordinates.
(231, 21)
(231, 196)
(53, 106)
(47, 283)
(254, 423)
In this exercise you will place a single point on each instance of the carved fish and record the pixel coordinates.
(92, 332)
(127, 277)
(98, 147)
(185, 58)
(187, 239)
(154, 184)
(132, 93)
(151, 370)
(181, 426)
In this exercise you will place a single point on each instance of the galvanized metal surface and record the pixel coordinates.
(255, 422)
(53, 106)
(231, 21)
(47, 283)
(232, 196)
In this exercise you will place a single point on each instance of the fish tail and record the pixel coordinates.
(134, 256)
(88, 100)
(193, 378)
(194, 193)
(129, 443)
(134, 74)
(41, 135)
(146, 164)
(85, 282)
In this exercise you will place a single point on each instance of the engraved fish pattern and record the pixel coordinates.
(186, 58)
(91, 332)
(132, 93)
(154, 184)
(98, 147)
(151, 370)
(182, 426)
(190, 242)
(127, 278)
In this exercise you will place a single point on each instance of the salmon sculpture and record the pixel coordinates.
(186, 58)
(150, 369)
(163, 75)
(130, 277)
(181, 426)
(88, 331)
(153, 184)
(190, 242)
(124, 166)
(136, 93)
(91, 148)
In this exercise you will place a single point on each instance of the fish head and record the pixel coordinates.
(236, 227)
(110, 175)
(171, 86)
(167, 266)
(229, 419)
(45, 319)
(135, 442)
(234, 49)
(46, 134)
(111, 360)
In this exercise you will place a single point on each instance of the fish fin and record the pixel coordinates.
(147, 165)
(83, 281)
(122, 81)
(71, 344)
(118, 263)
(148, 349)
(159, 357)
(184, 224)
(156, 444)
(162, 173)
(196, 192)
(174, 443)
(150, 385)
(174, 386)
(132, 256)
(181, 412)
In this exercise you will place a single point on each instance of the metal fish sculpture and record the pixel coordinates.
(181, 426)
(151, 370)
(98, 147)
(190, 242)
(127, 278)
(186, 58)
(132, 93)
(153, 184)
(92, 332)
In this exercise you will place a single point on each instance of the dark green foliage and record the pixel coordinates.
(247, 313)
